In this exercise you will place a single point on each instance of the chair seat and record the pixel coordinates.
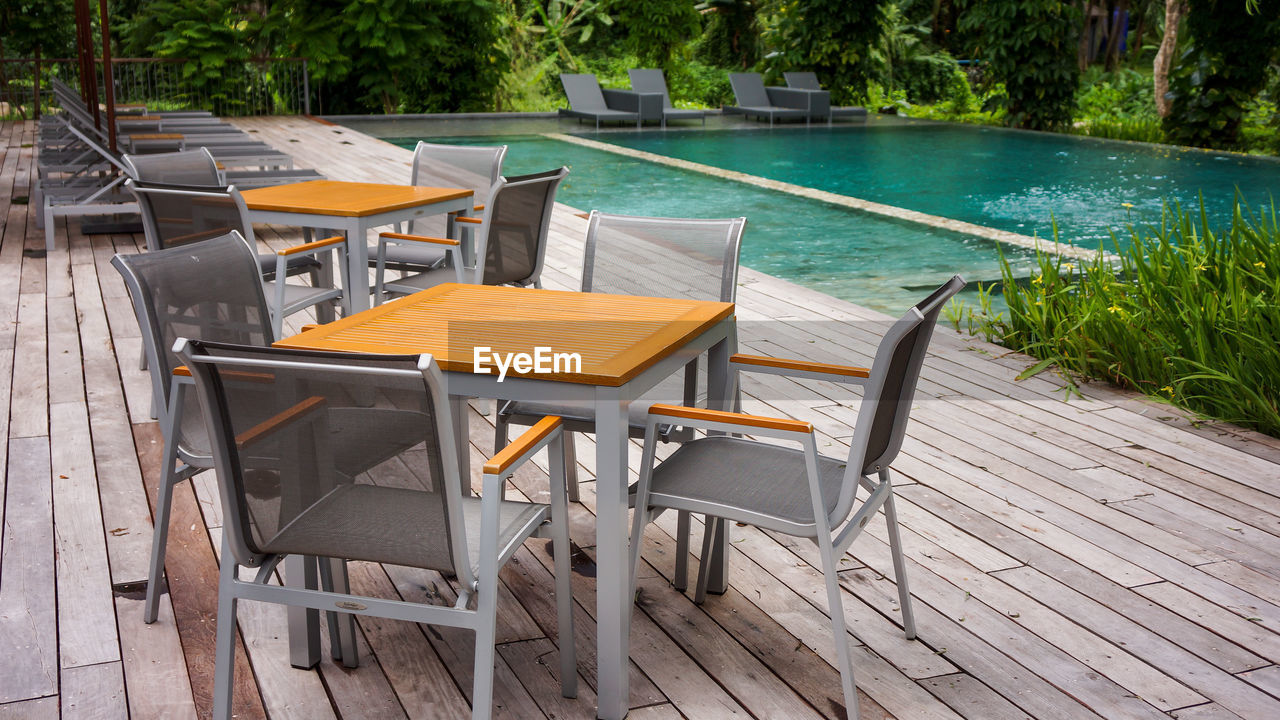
(398, 526)
(295, 265)
(744, 480)
(683, 114)
(583, 412)
(417, 255)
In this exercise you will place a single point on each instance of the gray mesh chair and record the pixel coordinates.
(650, 80)
(510, 239)
(474, 167)
(174, 215)
(798, 492)
(198, 169)
(287, 488)
(225, 304)
(588, 101)
(809, 81)
(662, 257)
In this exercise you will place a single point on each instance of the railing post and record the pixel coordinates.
(37, 85)
(306, 89)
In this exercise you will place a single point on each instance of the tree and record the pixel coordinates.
(655, 28)
(837, 39)
(732, 37)
(1030, 46)
(1173, 12)
(1222, 70)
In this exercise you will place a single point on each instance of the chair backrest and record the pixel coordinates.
(188, 167)
(886, 400)
(513, 242)
(663, 257)
(748, 90)
(174, 215)
(649, 80)
(583, 91)
(302, 442)
(475, 167)
(210, 290)
(803, 80)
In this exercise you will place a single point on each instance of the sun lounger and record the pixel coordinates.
(809, 81)
(587, 100)
(650, 80)
(754, 99)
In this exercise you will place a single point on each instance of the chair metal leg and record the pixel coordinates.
(571, 466)
(169, 476)
(225, 644)
(899, 563)
(683, 522)
(707, 561)
(563, 552)
(342, 626)
(839, 632)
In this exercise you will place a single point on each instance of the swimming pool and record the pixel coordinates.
(1008, 179)
(872, 261)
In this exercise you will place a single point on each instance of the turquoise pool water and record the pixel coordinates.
(1006, 179)
(872, 261)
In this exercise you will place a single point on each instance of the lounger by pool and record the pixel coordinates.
(754, 99)
(650, 80)
(588, 101)
(809, 81)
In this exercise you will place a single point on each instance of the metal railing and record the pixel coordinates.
(263, 86)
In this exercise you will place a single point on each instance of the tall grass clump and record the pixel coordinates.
(1186, 313)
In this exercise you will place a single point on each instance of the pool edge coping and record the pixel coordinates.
(890, 211)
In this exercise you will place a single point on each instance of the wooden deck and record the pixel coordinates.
(1097, 557)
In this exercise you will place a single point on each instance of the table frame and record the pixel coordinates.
(356, 229)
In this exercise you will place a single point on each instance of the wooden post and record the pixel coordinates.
(108, 80)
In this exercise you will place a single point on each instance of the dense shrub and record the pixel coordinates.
(1029, 45)
(1222, 71)
(656, 28)
(1190, 314)
(837, 39)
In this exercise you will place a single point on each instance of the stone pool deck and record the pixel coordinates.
(1096, 557)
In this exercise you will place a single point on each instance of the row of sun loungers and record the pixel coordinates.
(648, 99)
(81, 176)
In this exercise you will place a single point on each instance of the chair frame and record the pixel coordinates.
(605, 104)
(783, 102)
(735, 227)
(453, 247)
(832, 531)
(277, 288)
(479, 584)
(658, 83)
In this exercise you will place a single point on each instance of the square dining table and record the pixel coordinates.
(352, 208)
(627, 345)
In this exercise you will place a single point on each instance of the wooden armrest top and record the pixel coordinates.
(418, 238)
(335, 240)
(692, 413)
(805, 365)
(468, 219)
(279, 420)
(184, 371)
(499, 463)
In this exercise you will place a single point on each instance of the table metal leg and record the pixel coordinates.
(304, 623)
(613, 602)
(357, 280)
(459, 408)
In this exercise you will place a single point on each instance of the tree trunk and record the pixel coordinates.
(1173, 12)
(1116, 34)
(1082, 50)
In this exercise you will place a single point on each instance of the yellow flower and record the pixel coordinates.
(1260, 264)
(1167, 389)
(1115, 309)
(1068, 267)
(1127, 206)
(1037, 280)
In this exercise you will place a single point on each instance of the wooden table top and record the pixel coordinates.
(346, 199)
(617, 336)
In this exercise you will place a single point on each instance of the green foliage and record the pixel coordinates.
(1119, 105)
(1030, 46)
(1189, 314)
(28, 26)
(656, 28)
(837, 39)
(732, 36)
(1222, 71)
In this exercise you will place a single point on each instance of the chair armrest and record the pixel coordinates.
(702, 417)
(625, 100)
(417, 238)
(799, 368)
(267, 378)
(519, 450)
(280, 420)
(468, 219)
(312, 246)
